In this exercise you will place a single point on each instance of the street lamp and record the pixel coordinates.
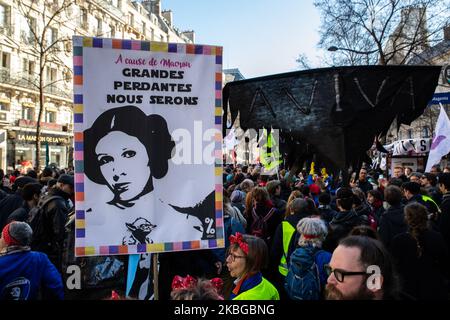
(334, 48)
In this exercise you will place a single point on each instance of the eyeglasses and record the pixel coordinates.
(235, 256)
(340, 274)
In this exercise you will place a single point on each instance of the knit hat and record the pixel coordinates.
(66, 179)
(237, 196)
(17, 234)
(312, 228)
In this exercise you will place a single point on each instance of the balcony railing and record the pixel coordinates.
(31, 82)
(108, 7)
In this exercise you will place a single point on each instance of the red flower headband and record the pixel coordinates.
(239, 239)
(189, 282)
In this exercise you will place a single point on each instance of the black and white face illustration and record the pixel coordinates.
(124, 164)
(125, 149)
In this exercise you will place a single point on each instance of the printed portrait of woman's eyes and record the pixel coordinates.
(104, 159)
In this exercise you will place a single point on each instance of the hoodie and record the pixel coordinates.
(340, 227)
(392, 223)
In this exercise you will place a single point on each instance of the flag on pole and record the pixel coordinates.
(441, 141)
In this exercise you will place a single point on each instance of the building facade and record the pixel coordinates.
(36, 31)
(423, 127)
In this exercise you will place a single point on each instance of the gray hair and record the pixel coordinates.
(299, 205)
(21, 231)
(313, 227)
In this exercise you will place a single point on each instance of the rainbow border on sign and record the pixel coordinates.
(79, 43)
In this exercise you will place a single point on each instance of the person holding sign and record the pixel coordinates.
(125, 149)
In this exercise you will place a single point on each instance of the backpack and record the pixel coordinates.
(303, 278)
(37, 222)
(259, 224)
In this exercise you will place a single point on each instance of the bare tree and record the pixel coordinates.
(44, 18)
(380, 31)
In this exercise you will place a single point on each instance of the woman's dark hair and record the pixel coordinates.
(416, 217)
(376, 194)
(150, 130)
(258, 254)
(365, 231)
(373, 253)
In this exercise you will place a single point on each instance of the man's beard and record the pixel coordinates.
(333, 293)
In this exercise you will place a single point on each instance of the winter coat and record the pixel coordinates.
(391, 224)
(55, 218)
(339, 228)
(424, 277)
(20, 214)
(444, 222)
(8, 205)
(29, 275)
(327, 213)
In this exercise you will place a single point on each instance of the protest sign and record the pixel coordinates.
(148, 159)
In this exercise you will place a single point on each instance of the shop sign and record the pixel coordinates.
(27, 137)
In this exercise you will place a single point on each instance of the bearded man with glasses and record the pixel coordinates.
(361, 269)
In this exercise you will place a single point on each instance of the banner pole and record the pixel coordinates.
(155, 275)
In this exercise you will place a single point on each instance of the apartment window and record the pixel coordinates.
(131, 20)
(162, 38)
(28, 68)
(27, 113)
(4, 60)
(112, 31)
(425, 132)
(84, 19)
(51, 75)
(32, 30)
(52, 36)
(5, 19)
(50, 116)
(99, 26)
(143, 28)
(4, 106)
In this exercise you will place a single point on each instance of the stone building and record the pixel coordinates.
(20, 21)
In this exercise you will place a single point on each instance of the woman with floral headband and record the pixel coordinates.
(246, 256)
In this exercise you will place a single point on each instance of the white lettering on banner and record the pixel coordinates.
(403, 147)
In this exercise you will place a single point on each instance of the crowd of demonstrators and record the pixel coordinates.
(33, 212)
(278, 230)
(366, 216)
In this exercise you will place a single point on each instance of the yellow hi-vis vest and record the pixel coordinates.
(427, 198)
(288, 231)
(263, 291)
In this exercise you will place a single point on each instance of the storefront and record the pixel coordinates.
(22, 149)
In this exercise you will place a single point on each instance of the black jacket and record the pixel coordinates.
(54, 219)
(423, 277)
(364, 186)
(20, 214)
(8, 205)
(327, 213)
(339, 228)
(392, 223)
(444, 222)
